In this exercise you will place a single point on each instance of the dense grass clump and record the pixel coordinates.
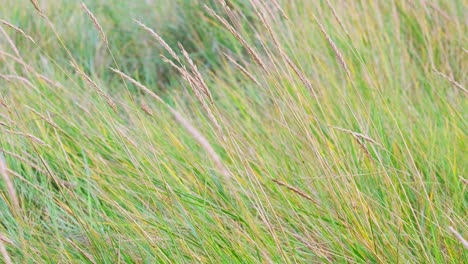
(233, 132)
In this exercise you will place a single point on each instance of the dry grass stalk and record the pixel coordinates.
(3, 103)
(10, 42)
(451, 80)
(295, 190)
(49, 81)
(139, 85)
(48, 120)
(194, 79)
(185, 123)
(18, 60)
(108, 99)
(30, 69)
(86, 254)
(27, 161)
(197, 75)
(465, 181)
(363, 147)
(261, 13)
(17, 29)
(9, 183)
(36, 6)
(459, 237)
(236, 34)
(337, 17)
(195, 84)
(230, 13)
(96, 23)
(29, 136)
(278, 7)
(299, 73)
(18, 78)
(124, 133)
(159, 39)
(436, 8)
(338, 54)
(203, 142)
(318, 248)
(357, 135)
(5, 254)
(5, 239)
(242, 69)
(181, 69)
(146, 108)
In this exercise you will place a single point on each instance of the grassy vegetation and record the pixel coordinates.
(289, 132)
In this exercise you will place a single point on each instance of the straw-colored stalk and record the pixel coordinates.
(17, 29)
(185, 123)
(459, 237)
(96, 23)
(451, 80)
(339, 56)
(5, 254)
(88, 79)
(9, 183)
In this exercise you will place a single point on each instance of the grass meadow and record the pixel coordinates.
(245, 131)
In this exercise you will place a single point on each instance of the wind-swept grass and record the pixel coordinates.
(274, 132)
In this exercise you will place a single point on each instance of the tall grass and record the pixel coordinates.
(274, 132)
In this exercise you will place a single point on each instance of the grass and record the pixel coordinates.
(304, 131)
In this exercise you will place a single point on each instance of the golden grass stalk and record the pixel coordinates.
(96, 23)
(18, 78)
(10, 42)
(9, 183)
(299, 73)
(18, 60)
(459, 237)
(363, 147)
(5, 254)
(196, 85)
(338, 54)
(197, 75)
(357, 135)
(336, 16)
(437, 9)
(30, 69)
(194, 79)
(26, 161)
(185, 123)
(5, 239)
(159, 39)
(86, 254)
(146, 108)
(260, 11)
(278, 7)
(139, 85)
(124, 133)
(17, 29)
(88, 79)
(316, 247)
(238, 36)
(295, 190)
(242, 69)
(203, 142)
(29, 136)
(232, 16)
(451, 80)
(36, 6)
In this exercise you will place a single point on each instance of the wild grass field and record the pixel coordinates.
(245, 131)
